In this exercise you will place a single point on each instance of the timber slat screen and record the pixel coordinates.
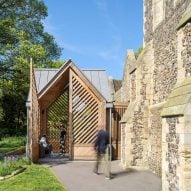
(58, 114)
(118, 111)
(85, 114)
(86, 111)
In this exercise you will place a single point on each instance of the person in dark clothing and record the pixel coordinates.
(62, 140)
(101, 148)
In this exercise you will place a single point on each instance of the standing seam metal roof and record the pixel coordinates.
(97, 77)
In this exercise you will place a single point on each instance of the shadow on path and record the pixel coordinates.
(120, 173)
(79, 176)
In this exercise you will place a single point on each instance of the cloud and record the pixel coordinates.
(102, 6)
(56, 32)
(53, 29)
(114, 52)
(48, 26)
(73, 48)
(110, 54)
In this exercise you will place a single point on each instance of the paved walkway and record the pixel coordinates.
(78, 176)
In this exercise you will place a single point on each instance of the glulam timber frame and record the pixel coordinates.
(85, 113)
(69, 99)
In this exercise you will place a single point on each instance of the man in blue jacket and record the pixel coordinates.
(102, 147)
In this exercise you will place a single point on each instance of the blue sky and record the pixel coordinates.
(96, 34)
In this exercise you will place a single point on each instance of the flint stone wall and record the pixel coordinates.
(149, 142)
(171, 156)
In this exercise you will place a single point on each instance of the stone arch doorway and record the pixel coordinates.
(57, 117)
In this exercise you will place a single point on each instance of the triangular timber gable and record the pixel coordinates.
(86, 110)
(69, 65)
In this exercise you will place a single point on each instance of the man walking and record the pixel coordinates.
(102, 150)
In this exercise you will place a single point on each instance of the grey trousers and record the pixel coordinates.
(103, 161)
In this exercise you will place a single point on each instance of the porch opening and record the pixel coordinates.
(57, 117)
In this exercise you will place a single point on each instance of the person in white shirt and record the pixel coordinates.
(45, 145)
(43, 141)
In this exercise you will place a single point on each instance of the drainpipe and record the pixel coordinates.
(110, 106)
(110, 129)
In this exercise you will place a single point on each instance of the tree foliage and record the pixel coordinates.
(138, 52)
(22, 36)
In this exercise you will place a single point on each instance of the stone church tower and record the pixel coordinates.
(156, 127)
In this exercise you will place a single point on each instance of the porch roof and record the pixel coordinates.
(97, 77)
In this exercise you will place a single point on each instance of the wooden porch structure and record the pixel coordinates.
(117, 111)
(78, 100)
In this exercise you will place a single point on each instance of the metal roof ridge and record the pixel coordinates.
(56, 69)
(93, 69)
(43, 69)
(59, 68)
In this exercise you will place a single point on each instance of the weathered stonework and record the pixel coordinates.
(172, 154)
(169, 9)
(137, 134)
(176, 170)
(148, 21)
(133, 86)
(157, 125)
(123, 145)
(155, 147)
(186, 52)
(136, 141)
(165, 55)
(158, 12)
(123, 94)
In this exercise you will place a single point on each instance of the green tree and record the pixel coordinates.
(22, 36)
(138, 52)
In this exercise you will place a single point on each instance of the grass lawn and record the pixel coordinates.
(9, 166)
(34, 178)
(11, 143)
